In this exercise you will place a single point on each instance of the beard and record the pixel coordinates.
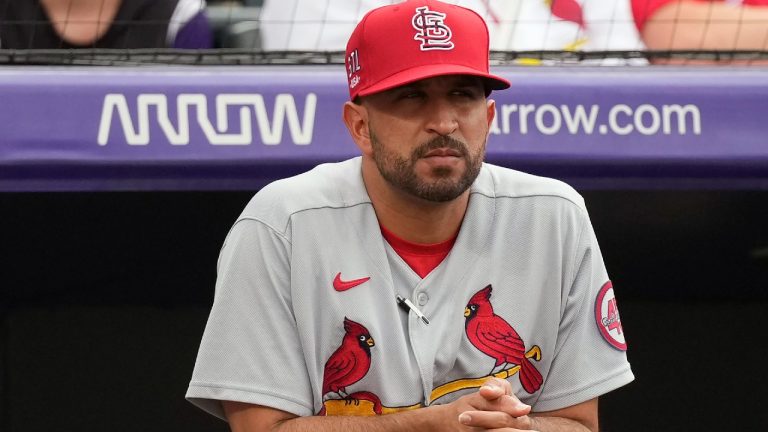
(401, 173)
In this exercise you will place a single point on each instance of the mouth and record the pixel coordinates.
(443, 152)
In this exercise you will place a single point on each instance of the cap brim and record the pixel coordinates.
(492, 82)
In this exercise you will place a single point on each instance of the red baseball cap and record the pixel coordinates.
(406, 42)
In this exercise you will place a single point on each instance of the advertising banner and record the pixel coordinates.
(226, 128)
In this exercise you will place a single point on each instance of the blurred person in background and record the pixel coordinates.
(46, 24)
(703, 24)
(521, 25)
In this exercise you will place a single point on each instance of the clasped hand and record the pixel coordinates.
(494, 407)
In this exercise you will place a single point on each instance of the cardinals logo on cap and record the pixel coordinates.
(431, 29)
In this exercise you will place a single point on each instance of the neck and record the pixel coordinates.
(409, 217)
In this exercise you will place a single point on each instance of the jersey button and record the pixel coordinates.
(422, 298)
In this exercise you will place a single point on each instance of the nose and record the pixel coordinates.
(442, 118)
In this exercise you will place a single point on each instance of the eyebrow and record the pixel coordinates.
(467, 80)
(459, 81)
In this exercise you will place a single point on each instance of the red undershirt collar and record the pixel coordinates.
(422, 258)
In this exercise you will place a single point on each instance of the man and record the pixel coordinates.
(71, 24)
(414, 287)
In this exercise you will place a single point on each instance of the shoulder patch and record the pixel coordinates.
(608, 319)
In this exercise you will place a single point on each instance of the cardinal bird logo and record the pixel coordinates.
(494, 337)
(568, 10)
(350, 362)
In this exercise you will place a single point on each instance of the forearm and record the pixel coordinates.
(491, 407)
(252, 418)
(558, 424)
(707, 26)
(422, 420)
(425, 419)
(576, 418)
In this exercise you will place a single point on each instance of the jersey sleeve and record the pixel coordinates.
(250, 350)
(644, 9)
(587, 362)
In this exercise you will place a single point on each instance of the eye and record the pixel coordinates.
(466, 92)
(473, 307)
(412, 95)
(362, 338)
(408, 93)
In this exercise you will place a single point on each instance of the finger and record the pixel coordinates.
(521, 424)
(490, 392)
(495, 387)
(494, 420)
(498, 382)
(510, 430)
(508, 404)
(486, 419)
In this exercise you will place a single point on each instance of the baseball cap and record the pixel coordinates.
(405, 42)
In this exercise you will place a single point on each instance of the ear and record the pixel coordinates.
(356, 119)
(490, 112)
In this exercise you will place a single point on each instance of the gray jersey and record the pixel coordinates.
(305, 317)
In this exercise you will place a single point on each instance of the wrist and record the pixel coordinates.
(441, 417)
(533, 423)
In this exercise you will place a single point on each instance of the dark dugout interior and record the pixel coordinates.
(104, 297)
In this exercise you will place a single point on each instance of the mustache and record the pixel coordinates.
(441, 142)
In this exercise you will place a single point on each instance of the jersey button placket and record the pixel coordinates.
(422, 344)
(422, 298)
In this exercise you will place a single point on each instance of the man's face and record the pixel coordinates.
(428, 138)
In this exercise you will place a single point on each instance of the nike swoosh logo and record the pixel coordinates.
(340, 285)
